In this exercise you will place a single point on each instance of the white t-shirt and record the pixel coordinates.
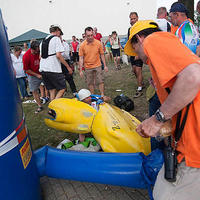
(18, 66)
(163, 24)
(51, 63)
(65, 54)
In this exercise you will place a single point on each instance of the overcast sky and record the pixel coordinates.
(74, 15)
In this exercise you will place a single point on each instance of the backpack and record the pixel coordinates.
(45, 47)
(124, 102)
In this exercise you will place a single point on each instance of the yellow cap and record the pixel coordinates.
(136, 28)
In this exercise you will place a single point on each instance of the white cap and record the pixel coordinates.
(83, 93)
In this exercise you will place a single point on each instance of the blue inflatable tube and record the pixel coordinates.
(123, 169)
(19, 179)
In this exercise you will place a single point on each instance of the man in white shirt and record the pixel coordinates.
(16, 58)
(162, 19)
(50, 64)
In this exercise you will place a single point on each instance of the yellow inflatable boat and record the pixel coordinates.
(113, 128)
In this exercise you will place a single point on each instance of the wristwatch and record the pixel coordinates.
(160, 116)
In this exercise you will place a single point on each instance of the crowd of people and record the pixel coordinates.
(168, 46)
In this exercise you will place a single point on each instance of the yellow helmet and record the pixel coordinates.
(136, 28)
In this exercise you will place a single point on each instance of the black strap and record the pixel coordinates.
(179, 127)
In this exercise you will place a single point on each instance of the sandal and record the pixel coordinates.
(39, 110)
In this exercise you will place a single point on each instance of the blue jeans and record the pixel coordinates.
(21, 82)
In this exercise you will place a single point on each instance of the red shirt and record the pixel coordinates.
(98, 36)
(74, 46)
(31, 61)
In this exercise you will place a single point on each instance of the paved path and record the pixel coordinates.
(59, 189)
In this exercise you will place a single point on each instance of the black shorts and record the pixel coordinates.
(75, 56)
(53, 80)
(116, 52)
(137, 62)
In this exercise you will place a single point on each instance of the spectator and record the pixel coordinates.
(198, 7)
(115, 47)
(186, 31)
(68, 77)
(175, 71)
(25, 49)
(50, 66)
(96, 35)
(135, 62)
(162, 20)
(20, 74)
(89, 54)
(108, 50)
(74, 51)
(31, 61)
(83, 36)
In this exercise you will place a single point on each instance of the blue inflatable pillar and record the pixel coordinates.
(19, 179)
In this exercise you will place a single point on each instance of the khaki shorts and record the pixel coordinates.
(186, 187)
(94, 74)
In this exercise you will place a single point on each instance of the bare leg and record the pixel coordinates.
(107, 57)
(37, 98)
(91, 88)
(139, 76)
(138, 73)
(111, 57)
(52, 94)
(60, 94)
(81, 137)
(101, 88)
(46, 92)
(42, 91)
(115, 62)
(118, 62)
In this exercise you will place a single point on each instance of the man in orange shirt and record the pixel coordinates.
(174, 67)
(90, 52)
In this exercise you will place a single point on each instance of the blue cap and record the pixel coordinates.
(178, 7)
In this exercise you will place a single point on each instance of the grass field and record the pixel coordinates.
(114, 80)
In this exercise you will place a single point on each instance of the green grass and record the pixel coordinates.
(123, 79)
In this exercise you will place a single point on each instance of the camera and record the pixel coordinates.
(170, 162)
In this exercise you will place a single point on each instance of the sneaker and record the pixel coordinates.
(138, 94)
(44, 100)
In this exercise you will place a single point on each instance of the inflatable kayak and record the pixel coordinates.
(113, 128)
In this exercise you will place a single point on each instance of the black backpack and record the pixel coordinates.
(124, 102)
(45, 47)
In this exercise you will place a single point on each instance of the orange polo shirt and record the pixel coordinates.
(167, 57)
(91, 53)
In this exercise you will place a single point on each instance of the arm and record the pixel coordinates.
(120, 46)
(106, 41)
(62, 60)
(106, 99)
(33, 73)
(111, 43)
(104, 62)
(81, 65)
(198, 51)
(184, 91)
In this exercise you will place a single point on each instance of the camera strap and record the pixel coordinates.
(179, 126)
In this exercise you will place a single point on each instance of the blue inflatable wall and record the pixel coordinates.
(19, 179)
(122, 169)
